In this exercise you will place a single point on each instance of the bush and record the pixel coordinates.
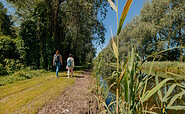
(21, 75)
(3, 70)
(12, 65)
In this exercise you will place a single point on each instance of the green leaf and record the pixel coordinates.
(112, 5)
(120, 77)
(131, 60)
(149, 112)
(176, 107)
(151, 66)
(126, 86)
(155, 89)
(169, 92)
(176, 97)
(159, 91)
(123, 15)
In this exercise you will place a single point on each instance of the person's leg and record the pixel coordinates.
(71, 72)
(68, 72)
(57, 68)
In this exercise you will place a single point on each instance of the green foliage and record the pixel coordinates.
(21, 75)
(70, 26)
(36, 91)
(12, 55)
(7, 48)
(135, 90)
(165, 69)
(132, 91)
(6, 23)
(158, 27)
(31, 43)
(2, 70)
(12, 65)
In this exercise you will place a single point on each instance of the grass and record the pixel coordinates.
(27, 96)
(21, 75)
(166, 69)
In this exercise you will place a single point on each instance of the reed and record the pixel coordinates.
(132, 93)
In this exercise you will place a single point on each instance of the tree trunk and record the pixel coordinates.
(56, 7)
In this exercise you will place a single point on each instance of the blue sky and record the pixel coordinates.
(111, 18)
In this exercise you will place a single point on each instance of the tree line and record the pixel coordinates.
(159, 26)
(31, 35)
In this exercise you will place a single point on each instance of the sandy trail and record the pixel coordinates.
(75, 99)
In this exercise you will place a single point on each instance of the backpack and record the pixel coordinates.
(69, 63)
(57, 58)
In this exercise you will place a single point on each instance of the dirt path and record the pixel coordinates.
(73, 100)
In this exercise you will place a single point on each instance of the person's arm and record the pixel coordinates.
(61, 59)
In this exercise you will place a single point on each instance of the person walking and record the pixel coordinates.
(70, 65)
(57, 61)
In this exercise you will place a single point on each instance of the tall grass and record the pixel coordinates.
(132, 92)
(166, 69)
(27, 96)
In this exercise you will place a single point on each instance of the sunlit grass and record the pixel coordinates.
(166, 69)
(29, 95)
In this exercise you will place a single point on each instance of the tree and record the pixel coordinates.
(6, 24)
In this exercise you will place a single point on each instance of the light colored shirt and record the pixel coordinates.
(72, 62)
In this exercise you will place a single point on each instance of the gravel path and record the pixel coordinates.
(75, 99)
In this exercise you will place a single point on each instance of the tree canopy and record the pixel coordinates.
(47, 25)
(160, 26)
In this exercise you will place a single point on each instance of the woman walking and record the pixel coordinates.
(57, 61)
(70, 65)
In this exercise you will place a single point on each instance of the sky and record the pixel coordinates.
(111, 19)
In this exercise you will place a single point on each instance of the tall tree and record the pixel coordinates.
(6, 24)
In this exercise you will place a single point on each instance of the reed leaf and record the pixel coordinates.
(126, 86)
(107, 108)
(115, 48)
(176, 107)
(144, 90)
(155, 89)
(131, 60)
(169, 92)
(149, 112)
(174, 74)
(113, 6)
(123, 15)
(114, 102)
(159, 91)
(175, 97)
(151, 66)
(121, 76)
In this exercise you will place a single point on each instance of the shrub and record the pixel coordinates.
(21, 75)
(12, 65)
(2, 70)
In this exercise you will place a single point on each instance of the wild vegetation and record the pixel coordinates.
(28, 96)
(131, 64)
(155, 35)
(157, 32)
(165, 69)
(30, 32)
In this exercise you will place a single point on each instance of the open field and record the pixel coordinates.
(28, 96)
